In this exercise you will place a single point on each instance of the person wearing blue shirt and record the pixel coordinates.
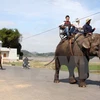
(88, 30)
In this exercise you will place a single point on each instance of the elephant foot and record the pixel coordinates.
(56, 81)
(72, 80)
(82, 83)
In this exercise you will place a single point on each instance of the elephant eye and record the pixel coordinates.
(96, 49)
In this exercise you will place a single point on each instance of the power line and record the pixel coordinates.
(41, 33)
(89, 15)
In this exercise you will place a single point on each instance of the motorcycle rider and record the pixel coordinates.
(25, 62)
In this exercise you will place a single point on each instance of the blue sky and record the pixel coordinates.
(34, 16)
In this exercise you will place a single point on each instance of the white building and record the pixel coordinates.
(8, 54)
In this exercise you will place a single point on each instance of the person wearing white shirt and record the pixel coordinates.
(66, 26)
(77, 26)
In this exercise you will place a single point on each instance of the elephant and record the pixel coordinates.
(77, 54)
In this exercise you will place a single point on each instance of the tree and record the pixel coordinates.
(10, 39)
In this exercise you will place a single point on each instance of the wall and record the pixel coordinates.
(13, 54)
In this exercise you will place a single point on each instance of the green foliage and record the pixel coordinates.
(10, 38)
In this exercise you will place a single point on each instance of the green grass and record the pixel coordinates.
(94, 67)
(91, 67)
(18, 63)
(64, 68)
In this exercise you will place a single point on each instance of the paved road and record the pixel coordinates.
(37, 84)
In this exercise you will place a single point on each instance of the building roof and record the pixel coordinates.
(4, 49)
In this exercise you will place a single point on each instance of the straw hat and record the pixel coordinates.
(77, 20)
(88, 20)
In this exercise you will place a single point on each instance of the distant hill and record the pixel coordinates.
(27, 53)
(45, 54)
(32, 54)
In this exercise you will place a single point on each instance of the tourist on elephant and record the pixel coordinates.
(66, 26)
(88, 30)
(77, 27)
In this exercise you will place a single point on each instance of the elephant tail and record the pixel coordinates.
(50, 62)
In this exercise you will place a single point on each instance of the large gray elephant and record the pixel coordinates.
(77, 55)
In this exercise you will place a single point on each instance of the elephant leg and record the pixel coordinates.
(81, 82)
(72, 79)
(57, 68)
(83, 71)
(71, 67)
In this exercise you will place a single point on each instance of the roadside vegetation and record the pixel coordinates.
(93, 67)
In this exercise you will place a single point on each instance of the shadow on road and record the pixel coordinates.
(64, 80)
(90, 82)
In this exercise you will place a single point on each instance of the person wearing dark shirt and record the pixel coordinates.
(88, 28)
(25, 62)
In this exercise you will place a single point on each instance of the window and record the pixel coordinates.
(4, 54)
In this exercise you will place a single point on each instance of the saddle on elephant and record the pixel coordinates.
(71, 38)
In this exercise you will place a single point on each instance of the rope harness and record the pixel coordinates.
(71, 45)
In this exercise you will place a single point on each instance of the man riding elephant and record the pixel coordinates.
(88, 28)
(77, 54)
(66, 26)
(77, 28)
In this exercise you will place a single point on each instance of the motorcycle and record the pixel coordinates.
(26, 65)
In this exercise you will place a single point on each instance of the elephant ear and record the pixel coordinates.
(86, 44)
